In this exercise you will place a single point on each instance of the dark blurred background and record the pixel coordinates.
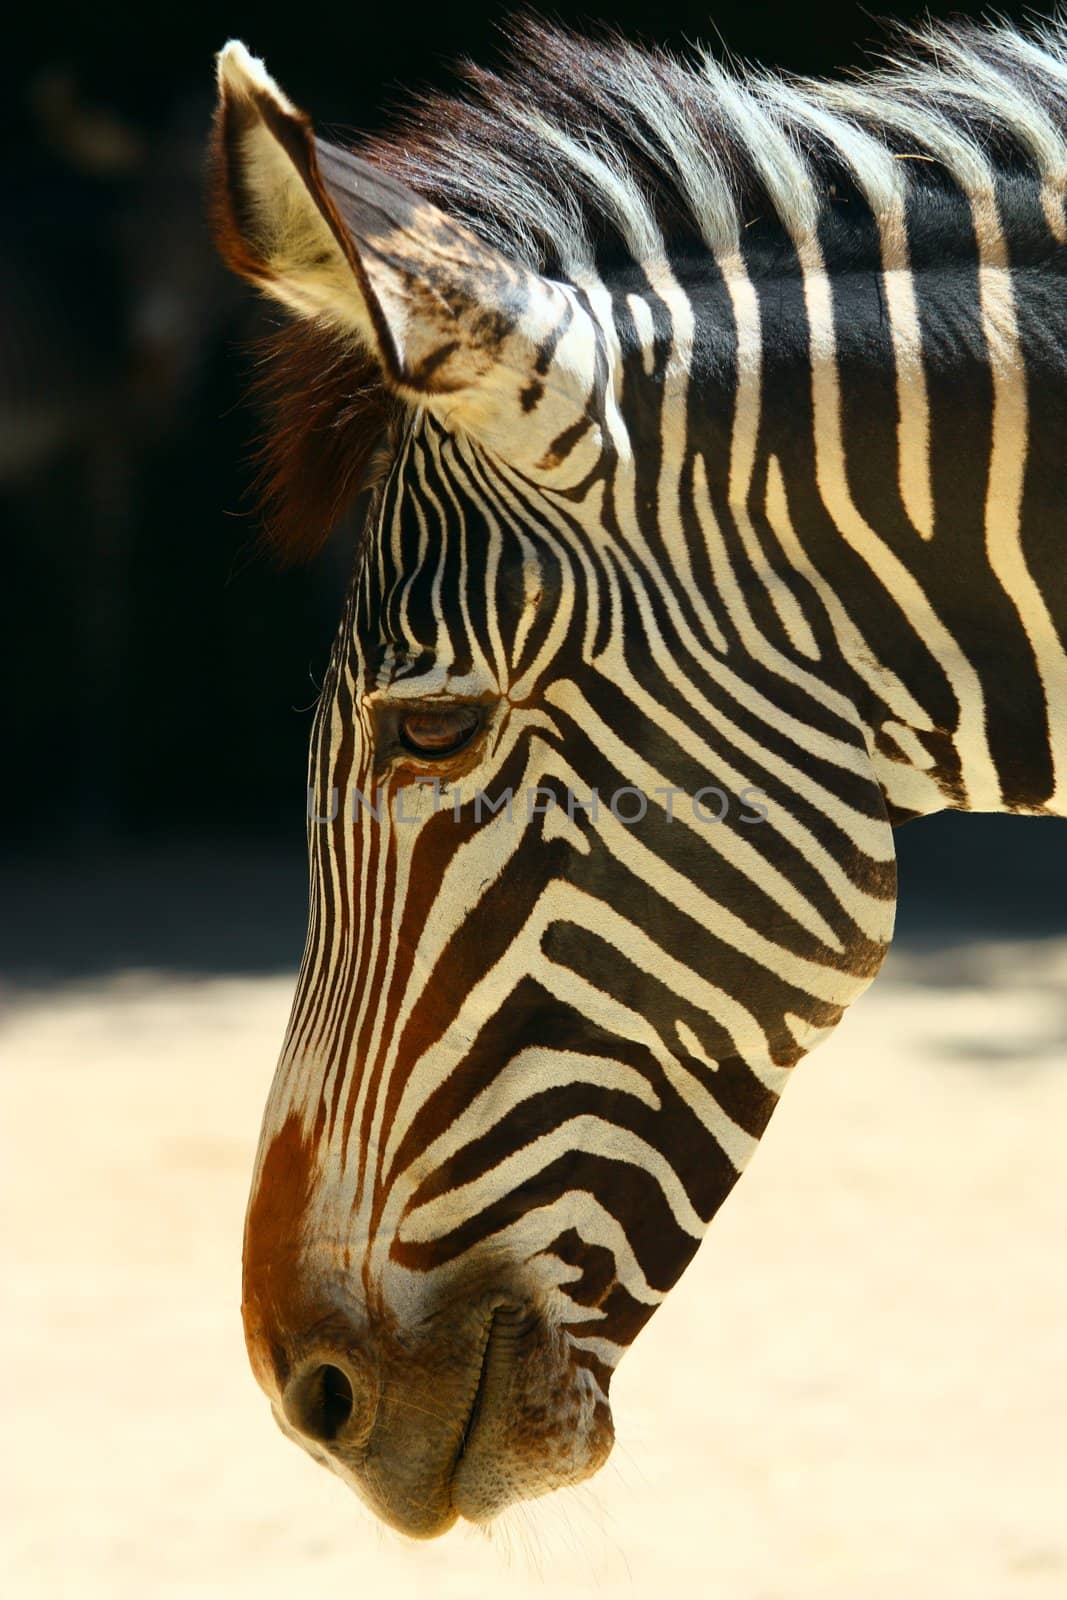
(159, 669)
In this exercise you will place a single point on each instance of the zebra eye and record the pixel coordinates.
(438, 731)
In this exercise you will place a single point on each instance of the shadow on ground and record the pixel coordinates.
(186, 907)
(224, 907)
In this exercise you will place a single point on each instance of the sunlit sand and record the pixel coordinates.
(858, 1390)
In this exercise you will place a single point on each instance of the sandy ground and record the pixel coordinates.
(859, 1390)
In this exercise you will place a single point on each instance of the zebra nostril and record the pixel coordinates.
(335, 1399)
(321, 1402)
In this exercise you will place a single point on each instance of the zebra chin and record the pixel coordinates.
(479, 1405)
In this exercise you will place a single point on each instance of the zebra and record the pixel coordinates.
(704, 430)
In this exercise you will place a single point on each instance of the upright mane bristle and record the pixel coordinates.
(580, 150)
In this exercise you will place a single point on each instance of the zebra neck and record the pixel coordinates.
(889, 502)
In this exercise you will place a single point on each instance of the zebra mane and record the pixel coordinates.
(580, 149)
(582, 153)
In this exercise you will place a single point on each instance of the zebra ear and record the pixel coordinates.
(342, 242)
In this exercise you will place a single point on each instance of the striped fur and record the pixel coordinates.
(727, 456)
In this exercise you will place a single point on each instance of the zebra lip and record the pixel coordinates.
(505, 1336)
(485, 1369)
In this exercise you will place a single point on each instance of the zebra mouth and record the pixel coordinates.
(509, 1332)
(478, 1398)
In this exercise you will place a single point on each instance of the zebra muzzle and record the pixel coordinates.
(477, 1409)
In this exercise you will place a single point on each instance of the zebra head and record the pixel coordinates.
(596, 852)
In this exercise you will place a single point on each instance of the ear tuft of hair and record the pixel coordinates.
(242, 74)
(326, 414)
